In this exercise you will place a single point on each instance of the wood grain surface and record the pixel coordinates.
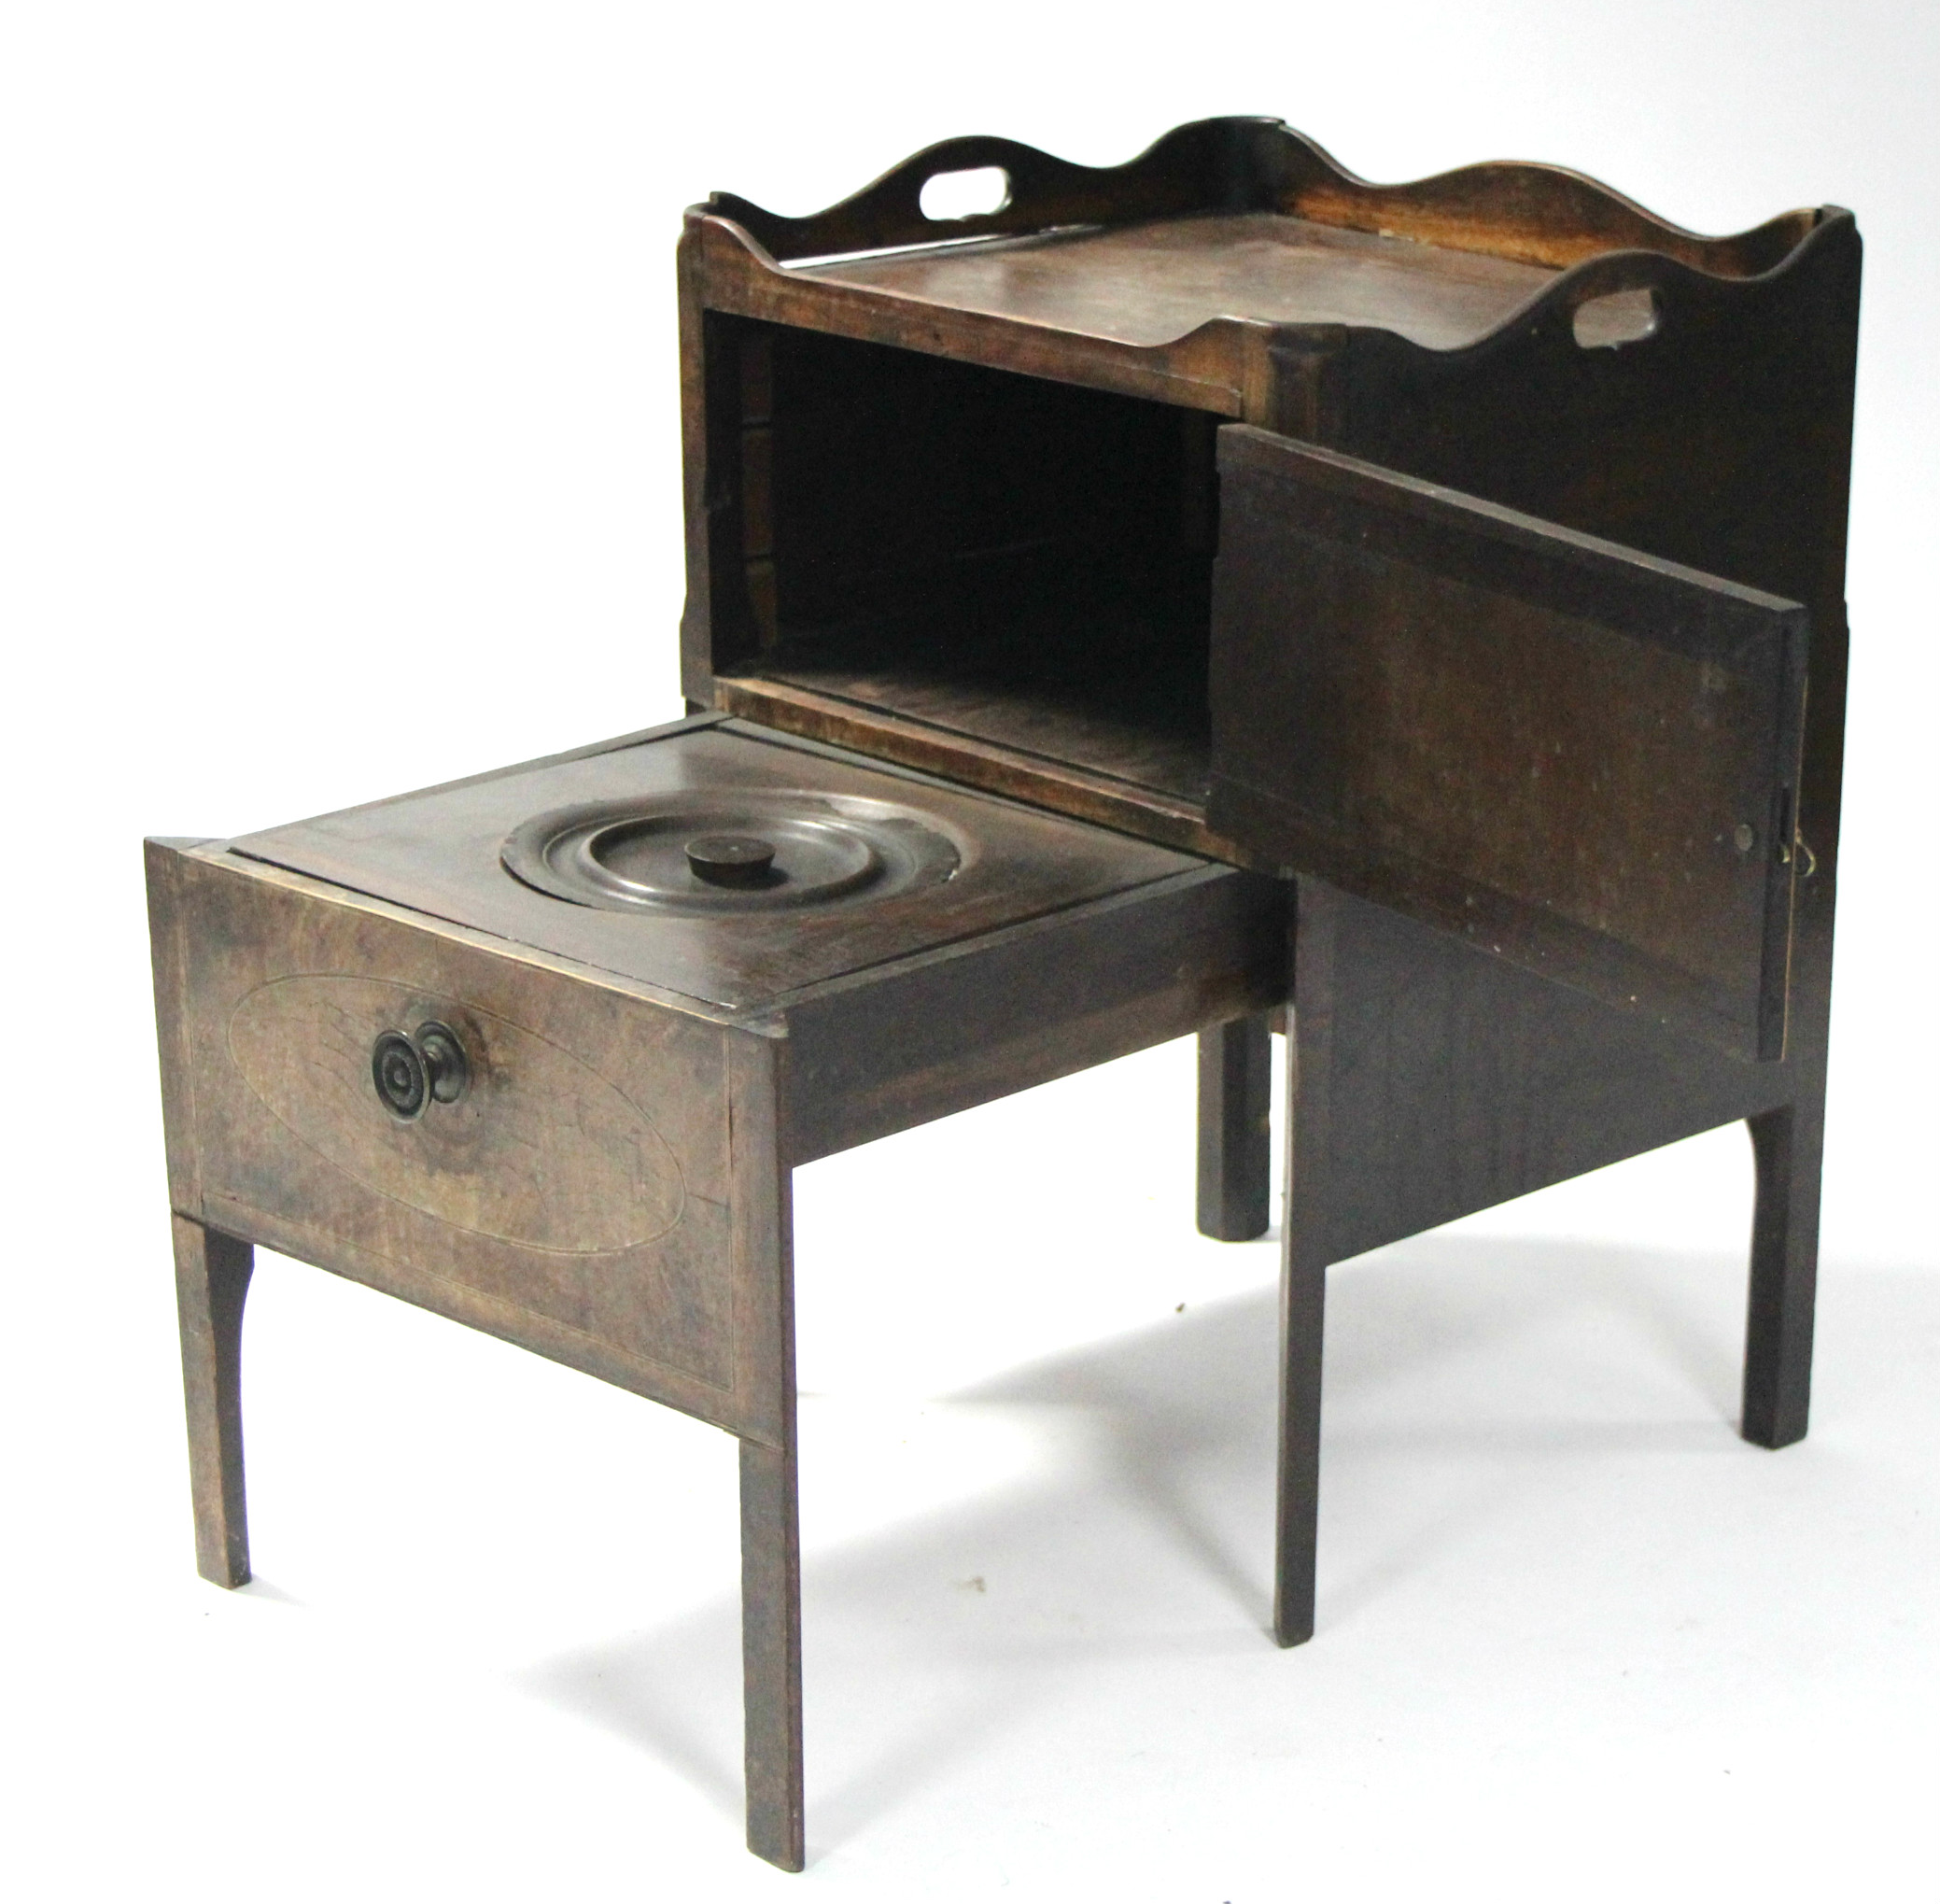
(1579, 757)
(953, 496)
(212, 1282)
(543, 1151)
(550, 1204)
(900, 1045)
(1150, 284)
(439, 853)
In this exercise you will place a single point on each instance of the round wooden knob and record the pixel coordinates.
(411, 1073)
(398, 1072)
(445, 1064)
(731, 859)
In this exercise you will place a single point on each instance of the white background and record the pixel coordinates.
(341, 457)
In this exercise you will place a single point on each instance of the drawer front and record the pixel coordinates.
(541, 1151)
(573, 1196)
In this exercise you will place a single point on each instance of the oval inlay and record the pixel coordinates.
(542, 1151)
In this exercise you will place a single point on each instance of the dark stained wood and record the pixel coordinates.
(1724, 442)
(1057, 784)
(1192, 168)
(440, 853)
(1235, 1139)
(771, 1655)
(1787, 1144)
(509, 1320)
(771, 1617)
(498, 1212)
(1018, 569)
(212, 1279)
(1025, 561)
(1045, 318)
(1721, 442)
(1148, 284)
(957, 504)
(1433, 1080)
(1582, 758)
(1311, 1061)
(613, 1188)
(505, 1164)
(761, 1215)
(577, 1200)
(1660, 444)
(717, 623)
(1464, 1081)
(900, 1045)
(1542, 214)
(1097, 727)
(1211, 369)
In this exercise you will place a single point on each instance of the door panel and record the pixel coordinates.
(1578, 757)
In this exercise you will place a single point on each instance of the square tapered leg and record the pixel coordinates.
(1786, 1147)
(212, 1279)
(771, 1562)
(1236, 1144)
(1304, 1259)
(772, 1654)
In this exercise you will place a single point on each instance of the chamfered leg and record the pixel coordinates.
(1302, 1312)
(771, 1653)
(771, 1558)
(1303, 1258)
(1235, 1148)
(212, 1279)
(1787, 1146)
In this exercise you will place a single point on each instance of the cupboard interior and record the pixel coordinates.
(1025, 562)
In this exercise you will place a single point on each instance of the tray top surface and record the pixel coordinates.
(1152, 283)
(869, 864)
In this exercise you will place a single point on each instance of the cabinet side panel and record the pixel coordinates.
(719, 627)
(1721, 440)
(1459, 1081)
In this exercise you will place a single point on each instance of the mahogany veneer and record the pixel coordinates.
(1412, 612)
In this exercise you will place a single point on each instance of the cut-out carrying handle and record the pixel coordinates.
(1583, 303)
(972, 192)
(1614, 319)
(1031, 201)
(1187, 170)
(1258, 165)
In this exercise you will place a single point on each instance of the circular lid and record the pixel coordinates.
(727, 850)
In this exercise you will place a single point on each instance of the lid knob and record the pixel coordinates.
(732, 859)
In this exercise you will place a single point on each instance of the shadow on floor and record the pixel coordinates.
(1460, 1370)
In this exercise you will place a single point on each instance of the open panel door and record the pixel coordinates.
(1576, 756)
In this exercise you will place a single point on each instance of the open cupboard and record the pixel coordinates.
(958, 496)
(1183, 593)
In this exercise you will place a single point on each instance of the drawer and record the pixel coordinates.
(388, 1053)
(575, 1196)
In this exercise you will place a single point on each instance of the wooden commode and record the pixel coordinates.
(1187, 592)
